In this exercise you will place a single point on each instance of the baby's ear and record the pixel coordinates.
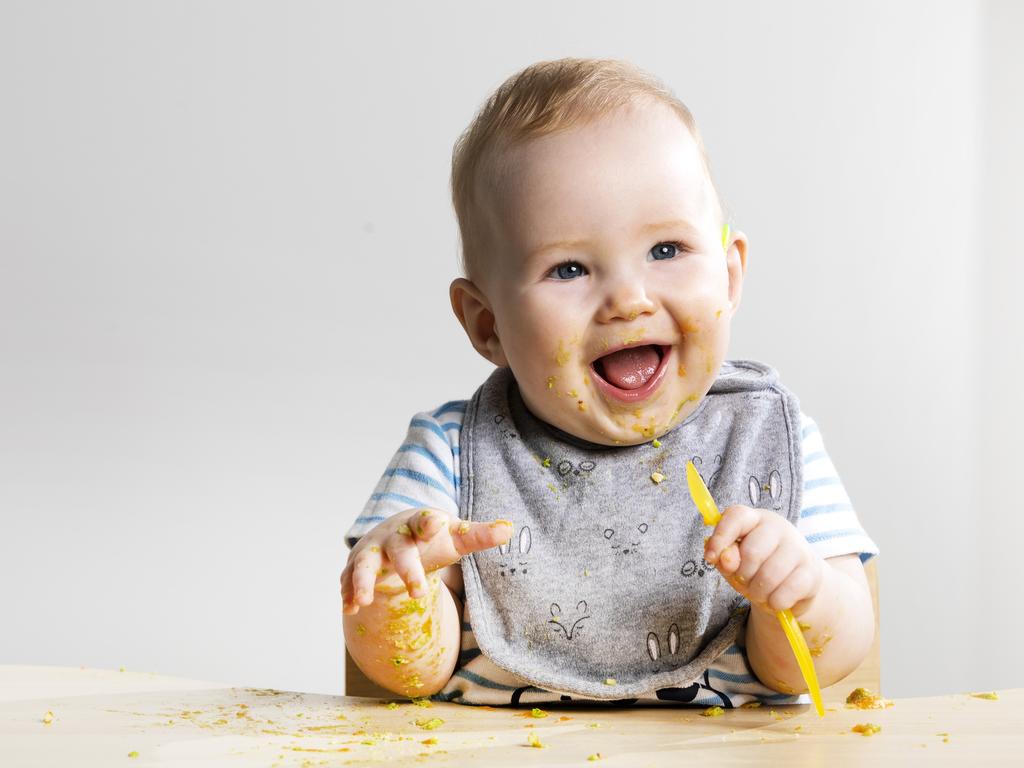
(736, 263)
(474, 312)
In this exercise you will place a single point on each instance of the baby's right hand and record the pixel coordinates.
(412, 544)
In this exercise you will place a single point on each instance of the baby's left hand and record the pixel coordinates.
(765, 559)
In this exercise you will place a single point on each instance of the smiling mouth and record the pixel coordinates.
(632, 373)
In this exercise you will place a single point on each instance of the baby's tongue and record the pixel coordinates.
(630, 368)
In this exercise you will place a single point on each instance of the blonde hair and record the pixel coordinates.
(542, 99)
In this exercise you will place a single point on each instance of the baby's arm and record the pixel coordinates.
(765, 559)
(839, 625)
(402, 626)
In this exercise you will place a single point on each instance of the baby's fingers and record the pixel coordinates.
(474, 537)
(404, 555)
(363, 574)
(737, 521)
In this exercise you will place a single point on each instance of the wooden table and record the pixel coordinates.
(111, 718)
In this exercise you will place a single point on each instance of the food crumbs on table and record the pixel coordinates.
(993, 696)
(594, 757)
(656, 443)
(657, 477)
(867, 729)
(432, 740)
(610, 681)
(533, 741)
(48, 718)
(133, 753)
(750, 705)
(422, 702)
(391, 705)
(593, 725)
(429, 724)
(564, 718)
(713, 712)
(862, 698)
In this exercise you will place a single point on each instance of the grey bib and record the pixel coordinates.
(603, 591)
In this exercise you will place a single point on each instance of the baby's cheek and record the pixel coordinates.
(705, 340)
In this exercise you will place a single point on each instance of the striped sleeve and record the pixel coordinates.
(424, 471)
(827, 519)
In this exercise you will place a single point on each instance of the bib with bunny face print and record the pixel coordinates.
(603, 590)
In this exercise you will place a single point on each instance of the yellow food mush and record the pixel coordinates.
(867, 729)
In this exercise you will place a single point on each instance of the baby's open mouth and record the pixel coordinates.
(631, 373)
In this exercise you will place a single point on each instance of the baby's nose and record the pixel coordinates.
(626, 299)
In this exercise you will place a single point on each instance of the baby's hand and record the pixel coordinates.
(412, 544)
(765, 559)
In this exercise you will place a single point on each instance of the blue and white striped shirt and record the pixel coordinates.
(425, 473)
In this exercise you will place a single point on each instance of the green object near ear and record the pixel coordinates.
(725, 236)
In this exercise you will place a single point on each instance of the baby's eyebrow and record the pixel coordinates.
(670, 224)
(645, 229)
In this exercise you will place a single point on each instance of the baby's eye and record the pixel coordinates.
(663, 251)
(568, 270)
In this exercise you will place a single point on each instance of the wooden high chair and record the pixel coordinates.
(867, 675)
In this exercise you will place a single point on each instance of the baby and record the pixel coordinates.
(601, 279)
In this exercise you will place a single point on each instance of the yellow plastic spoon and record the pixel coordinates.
(709, 511)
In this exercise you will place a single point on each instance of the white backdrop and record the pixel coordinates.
(225, 247)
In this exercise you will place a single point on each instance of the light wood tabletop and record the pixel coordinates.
(90, 717)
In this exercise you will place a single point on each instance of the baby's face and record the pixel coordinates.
(611, 290)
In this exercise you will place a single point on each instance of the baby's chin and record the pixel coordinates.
(602, 429)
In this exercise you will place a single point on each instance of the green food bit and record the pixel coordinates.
(990, 696)
(713, 712)
(656, 444)
(429, 724)
(546, 463)
(391, 705)
(535, 712)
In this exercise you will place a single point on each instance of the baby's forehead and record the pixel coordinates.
(608, 172)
